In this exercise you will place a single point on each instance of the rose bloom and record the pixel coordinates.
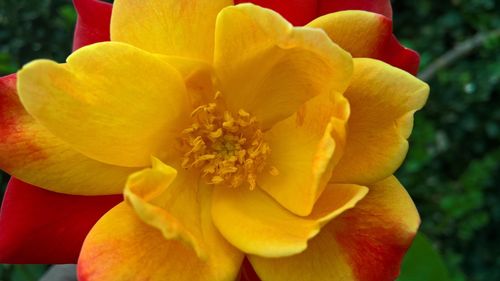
(207, 141)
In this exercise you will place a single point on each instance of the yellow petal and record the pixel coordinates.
(177, 205)
(256, 224)
(336, 199)
(198, 78)
(110, 101)
(383, 100)
(31, 153)
(156, 201)
(121, 247)
(324, 259)
(304, 149)
(269, 68)
(365, 243)
(179, 28)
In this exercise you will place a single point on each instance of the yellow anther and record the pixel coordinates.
(217, 179)
(203, 158)
(228, 124)
(197, 144)
(188, 130)
(228, 170)
(232, 159)
(274, 171)
(197, 110)
(243, 113)
(252, 181)
(229, 149)
(185, 163)
(216, 134)
(228, 117)
(248, 163)
(236, 181)
(208, 169)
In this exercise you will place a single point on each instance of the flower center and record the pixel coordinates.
(227, 148)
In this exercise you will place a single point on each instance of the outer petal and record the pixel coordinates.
(268, 68)
(30, 152)
(121, 247)
(382, 7)
(256, 224)
(179, 28)
(305, 147)
(365, 243)
(132, 101)
(298, 12)
(366, 34)
(93, 22)
(40, 226)
(383, 100)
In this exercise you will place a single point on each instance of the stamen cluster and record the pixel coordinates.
(228, 148)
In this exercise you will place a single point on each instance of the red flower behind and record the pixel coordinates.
(93, 21)
(40, 226)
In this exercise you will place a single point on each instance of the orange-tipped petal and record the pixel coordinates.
(122, 247)
(33, 154)
(132, 101)
(368, 35)
(366, 243)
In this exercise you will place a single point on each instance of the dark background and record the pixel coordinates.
(453, 165)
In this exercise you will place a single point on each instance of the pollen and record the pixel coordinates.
(228, 148)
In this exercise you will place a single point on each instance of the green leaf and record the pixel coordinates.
(28, 272)
(423, 262)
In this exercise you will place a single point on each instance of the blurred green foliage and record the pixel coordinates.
(21, 272)
(32, 29)
(422, 262)
(452, 165)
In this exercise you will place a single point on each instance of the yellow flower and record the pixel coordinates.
(244, 136)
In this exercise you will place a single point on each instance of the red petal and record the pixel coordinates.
(298, 12)
(39, 226)
(382, 7)
(93, 22)
(247, 273)
(399, 56)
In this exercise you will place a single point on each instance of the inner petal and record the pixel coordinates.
(269, 68)
(228, 148)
